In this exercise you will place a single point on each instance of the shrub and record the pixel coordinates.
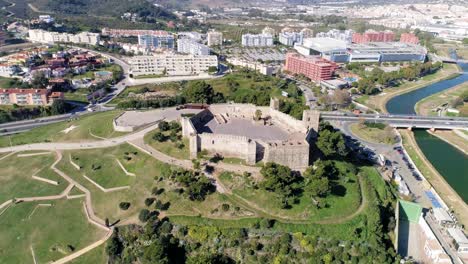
(149, 201)
(225, 207)
(144, 215)
(124, 205)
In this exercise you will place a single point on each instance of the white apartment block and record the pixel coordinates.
(260, 40)
(42, 36)
(214, 38)
(190, 46)
(291, 38)
(345, 35)
(172, 64)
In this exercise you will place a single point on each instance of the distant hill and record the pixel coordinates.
(103, 7)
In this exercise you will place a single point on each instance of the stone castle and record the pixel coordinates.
(252, 133)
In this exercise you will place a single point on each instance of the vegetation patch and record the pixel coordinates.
(168, 139)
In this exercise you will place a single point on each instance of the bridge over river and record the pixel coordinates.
(400, 121)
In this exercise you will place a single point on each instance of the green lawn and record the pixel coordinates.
(48, 230)
(373, 135)
(6, 82)
(16, 182)
(79, 95)
(95, 256)
(168, 147)
(99, 124)
(107, 171)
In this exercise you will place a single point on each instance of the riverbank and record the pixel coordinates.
(378, 102)
(426, 105)
(452, 138)
(437, 181)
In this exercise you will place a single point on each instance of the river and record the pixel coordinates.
(450, 162)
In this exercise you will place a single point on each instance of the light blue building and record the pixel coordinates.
(162, 40)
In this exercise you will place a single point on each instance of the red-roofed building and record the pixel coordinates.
(313, 67)
(409, 38)
(28, 96)
(374, 36)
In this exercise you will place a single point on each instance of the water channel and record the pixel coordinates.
(450, 162)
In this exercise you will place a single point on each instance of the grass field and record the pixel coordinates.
(99, 124)
(107, 171)
(79, 95)
(95, 256)
(168, 89)
(373, 135)
(50, 230)
(168, 147)
(330, 229)
(344, 199)
(148, 171)
(17, 183)
(5, 82)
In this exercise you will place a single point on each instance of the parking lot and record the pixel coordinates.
(258, 54)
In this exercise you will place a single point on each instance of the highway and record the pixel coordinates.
(400, 121)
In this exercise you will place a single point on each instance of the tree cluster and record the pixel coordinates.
(195, 185)
(367, 84)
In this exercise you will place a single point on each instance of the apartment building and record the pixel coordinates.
(128, 32)
(409, 38)
(172, 64)
(42, 36)
(291, 38)
(214, 38)
(313, 67)
(157, 40)
(190, 46)
(343, 35)
(374, 36)
(7, 70)
(257, 40)
(28, 96)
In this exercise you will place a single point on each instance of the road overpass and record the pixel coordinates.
(400, 121)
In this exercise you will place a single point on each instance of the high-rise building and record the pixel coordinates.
(313, 67)
(374, 36)
(171, 64)
(157, 40)
(214, 38)
(291, 38)
(259, 40)
(268, 31)
(409, 38)
(190, 46)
